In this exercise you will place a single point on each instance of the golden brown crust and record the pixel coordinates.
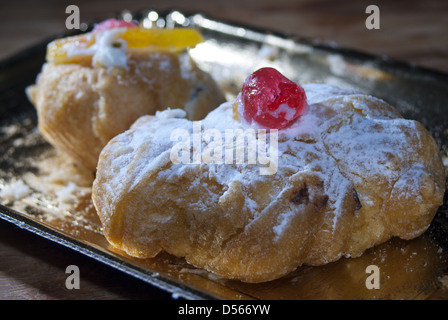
(360, 175)
(80, 108)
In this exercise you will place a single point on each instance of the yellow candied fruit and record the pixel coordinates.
(57, 49)
(173, 40)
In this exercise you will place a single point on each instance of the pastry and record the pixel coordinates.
(335, 172)
(95, 85)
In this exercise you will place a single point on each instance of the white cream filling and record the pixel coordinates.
(105, 51)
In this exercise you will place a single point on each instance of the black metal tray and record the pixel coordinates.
(415, 269)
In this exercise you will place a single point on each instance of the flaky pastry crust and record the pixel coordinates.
(352, 173)
(81, 107)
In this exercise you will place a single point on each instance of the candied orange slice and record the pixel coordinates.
(173, 40)
(57, 49)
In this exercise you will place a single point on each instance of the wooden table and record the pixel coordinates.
(413, 31)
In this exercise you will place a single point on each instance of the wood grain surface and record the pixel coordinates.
(412, 31)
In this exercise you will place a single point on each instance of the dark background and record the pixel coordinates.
(414, 31)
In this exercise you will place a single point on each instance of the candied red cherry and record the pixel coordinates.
(112, 24)
(271, 100)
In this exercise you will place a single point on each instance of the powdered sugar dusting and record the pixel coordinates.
(337, 140)
(15, 191)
